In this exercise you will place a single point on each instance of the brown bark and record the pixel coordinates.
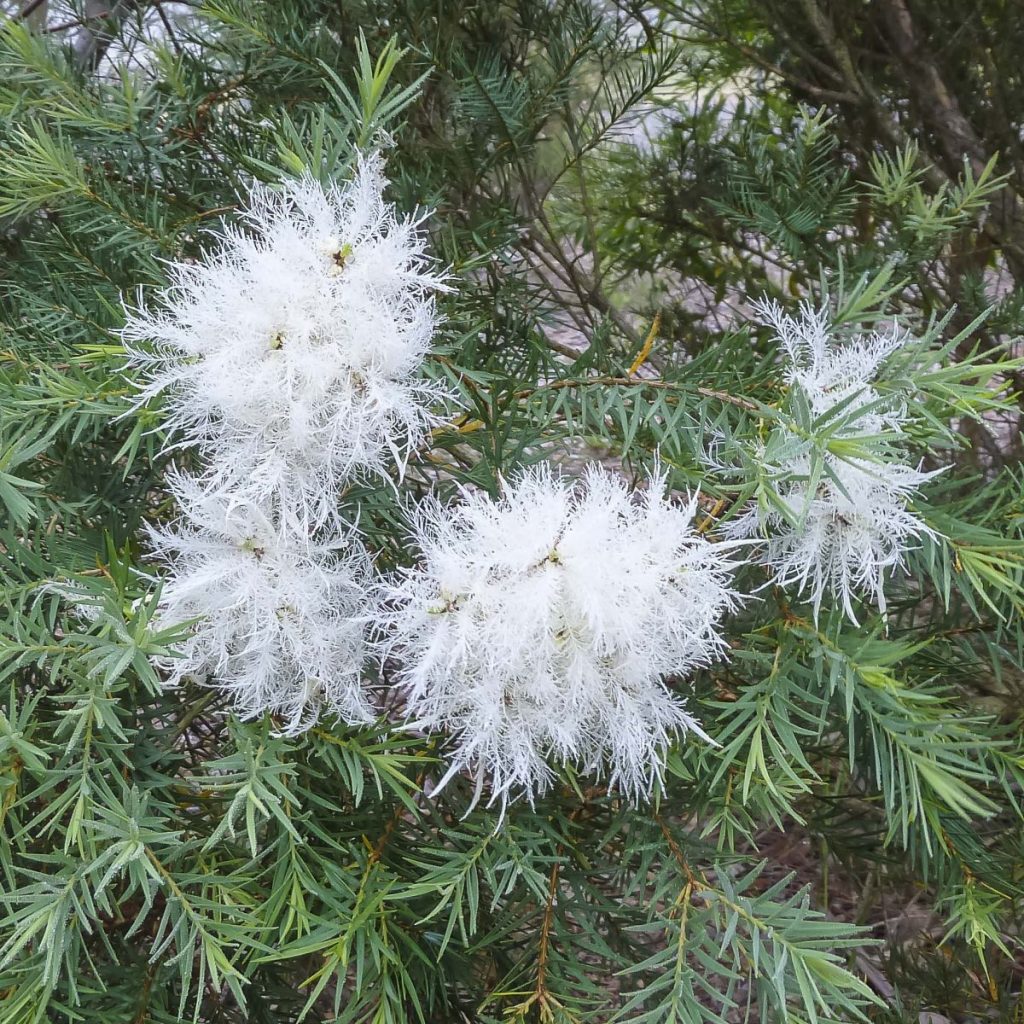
(956, 137)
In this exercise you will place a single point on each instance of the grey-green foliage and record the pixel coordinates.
(161, 861)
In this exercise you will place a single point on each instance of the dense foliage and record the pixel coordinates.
(613, 187)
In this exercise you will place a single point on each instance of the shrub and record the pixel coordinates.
(340, 683)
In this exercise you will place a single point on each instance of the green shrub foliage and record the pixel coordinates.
(613, 189)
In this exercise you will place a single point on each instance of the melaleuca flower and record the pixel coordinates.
(292, 351)
(854, 528)
(831, 372)
(280, 620)
(541, 626)
(846, 539)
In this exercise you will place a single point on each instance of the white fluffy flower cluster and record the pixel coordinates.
(855, 526)
(542, 625)
(289, 357)
(291, 354)
(831, 372)
(280, 617)
(535, 629)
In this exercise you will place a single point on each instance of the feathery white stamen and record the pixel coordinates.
(855, 528)
(541, 626)
(292, 352)
(830, 372)
(844, 543)
(281, 619)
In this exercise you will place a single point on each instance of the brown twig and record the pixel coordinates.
(609, 381)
